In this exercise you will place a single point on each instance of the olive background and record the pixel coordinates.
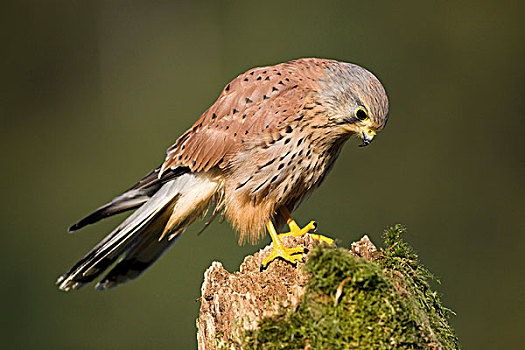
(93, 92)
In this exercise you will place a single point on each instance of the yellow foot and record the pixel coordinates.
(296, 231)
(322, 238)
(292, 255)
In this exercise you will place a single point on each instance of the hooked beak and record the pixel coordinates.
(367, 135)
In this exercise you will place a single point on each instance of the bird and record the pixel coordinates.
(253, 157)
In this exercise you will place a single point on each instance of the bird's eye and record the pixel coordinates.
(361, 114)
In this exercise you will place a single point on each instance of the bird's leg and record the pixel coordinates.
(279, 250)
(297, 231)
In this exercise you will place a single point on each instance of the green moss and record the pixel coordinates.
(385, 304)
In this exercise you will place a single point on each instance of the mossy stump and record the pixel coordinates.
(362, 298)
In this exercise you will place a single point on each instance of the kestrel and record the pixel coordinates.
(256, 154)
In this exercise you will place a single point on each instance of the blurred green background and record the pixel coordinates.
(93, 92)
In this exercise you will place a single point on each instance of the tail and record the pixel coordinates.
(137, 243)
(132, 198)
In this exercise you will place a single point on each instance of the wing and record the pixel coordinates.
(256, 102)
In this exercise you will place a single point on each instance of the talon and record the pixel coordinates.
(295, 254)
(296, 231)
(292, 255)
(323, 239)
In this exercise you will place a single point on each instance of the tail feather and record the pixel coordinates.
(144, 252)
(184, 197)
(150, 245)
(133, 198)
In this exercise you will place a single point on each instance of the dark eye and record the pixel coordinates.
(361, 114)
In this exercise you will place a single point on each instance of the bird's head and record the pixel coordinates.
(356, 100)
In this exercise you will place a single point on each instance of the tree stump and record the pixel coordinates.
(232, 303)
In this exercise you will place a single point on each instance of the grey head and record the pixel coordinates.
(357, 101)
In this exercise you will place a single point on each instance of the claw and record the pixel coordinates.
(295, 254)
(296, 231)
(292, 255)
(322, 238)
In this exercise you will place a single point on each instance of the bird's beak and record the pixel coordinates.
(367, 135)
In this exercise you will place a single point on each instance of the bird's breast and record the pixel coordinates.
(279, 170)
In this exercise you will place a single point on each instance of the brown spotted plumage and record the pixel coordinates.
(266, 143)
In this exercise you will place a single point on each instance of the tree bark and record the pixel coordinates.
(232, 303)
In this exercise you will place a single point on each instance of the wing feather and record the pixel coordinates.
(253, 104)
